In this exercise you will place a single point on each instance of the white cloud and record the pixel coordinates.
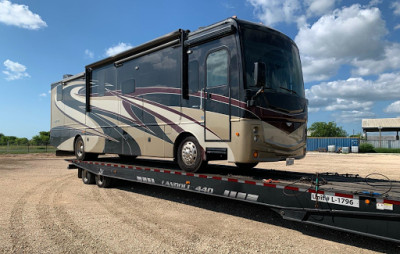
(118, 49)
(397, 27)
(389, 61)
(19, 15)
(14, 70)
(354, 93)
(89, 53)
(396, 7)
(319, 68)
(353, 116)
(271, 12)
(393, 108)
(351, 32)
(43, 95)
(319, 7)
(348, 35)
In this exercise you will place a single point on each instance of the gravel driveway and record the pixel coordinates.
(45, 208)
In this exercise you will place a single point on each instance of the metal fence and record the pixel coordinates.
(26, 148)
(321, 144)
(383, 143)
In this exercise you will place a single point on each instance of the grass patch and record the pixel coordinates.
(387, 150)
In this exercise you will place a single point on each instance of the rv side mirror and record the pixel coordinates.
(259, 74)
(128, 86)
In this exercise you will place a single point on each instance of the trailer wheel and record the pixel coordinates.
(87, 177)
(246, 166)
(103, 181)
(189, 155)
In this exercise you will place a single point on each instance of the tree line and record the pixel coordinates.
(42, 139)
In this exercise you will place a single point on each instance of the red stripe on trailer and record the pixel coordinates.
(393, 202)
(189, 174)
(167, 171)
(344, 195)
(233, 180)
(122, 166)
(270, 185)
(313, 191)
(202, 176)
(102, 164)
(250, 182)
(116, 165)
(109, 165)
(130, 167)
(217, 178)
(156, 170)
(291, 188)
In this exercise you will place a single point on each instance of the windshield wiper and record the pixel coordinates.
(287, 89)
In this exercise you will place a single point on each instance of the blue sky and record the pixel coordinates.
(350, 50)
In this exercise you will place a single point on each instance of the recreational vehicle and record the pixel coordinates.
(229, 91)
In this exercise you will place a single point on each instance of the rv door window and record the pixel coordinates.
(217, 68)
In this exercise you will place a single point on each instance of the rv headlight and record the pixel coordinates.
(255, 130)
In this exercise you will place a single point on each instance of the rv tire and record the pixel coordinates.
(189, 155)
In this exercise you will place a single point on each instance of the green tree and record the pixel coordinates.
(22, 141)
(322, 129)
(41, 139)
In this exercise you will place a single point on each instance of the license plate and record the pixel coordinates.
(353, 202)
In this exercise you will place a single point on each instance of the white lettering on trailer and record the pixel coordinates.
(176, 185)
(325, 198)
(145, 179)
(240, 195)
(204, 189)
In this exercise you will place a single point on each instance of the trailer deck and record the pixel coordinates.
(368, 206)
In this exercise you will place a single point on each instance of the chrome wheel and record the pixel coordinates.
(79, 148)
(189, 153)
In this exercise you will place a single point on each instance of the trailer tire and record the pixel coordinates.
(246, 166)
(87, 177)
(103, 181)
(189, 155)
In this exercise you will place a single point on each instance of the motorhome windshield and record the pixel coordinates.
(281, 58)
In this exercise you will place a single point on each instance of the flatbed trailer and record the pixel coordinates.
(368, 206)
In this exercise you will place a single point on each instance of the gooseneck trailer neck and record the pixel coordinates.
(365, 206)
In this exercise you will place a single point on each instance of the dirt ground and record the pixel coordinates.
(45, 208)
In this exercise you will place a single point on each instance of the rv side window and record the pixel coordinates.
(59, 92)
(125, 74)
(193, 76)
(217, 68)
(103, 80)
